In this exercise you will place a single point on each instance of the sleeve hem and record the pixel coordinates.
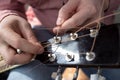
(5, 13)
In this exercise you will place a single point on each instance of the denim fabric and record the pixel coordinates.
(32, 71)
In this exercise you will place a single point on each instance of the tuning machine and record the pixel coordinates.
(57, 39)
(90, 56)
(93, 32)
(52, 57)
(73, 36)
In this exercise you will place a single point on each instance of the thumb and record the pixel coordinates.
(66, 12)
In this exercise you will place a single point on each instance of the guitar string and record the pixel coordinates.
(98, 25)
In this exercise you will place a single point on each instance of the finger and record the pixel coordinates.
(66, 11)
(17, 42)
(76, 20)
(29, 35)
(11, 57)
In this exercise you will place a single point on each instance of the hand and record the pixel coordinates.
(16, 33)
(78, 12)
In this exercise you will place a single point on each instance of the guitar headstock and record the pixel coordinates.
(86, 48)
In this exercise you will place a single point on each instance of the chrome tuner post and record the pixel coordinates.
(90, 56)
(57, 39)
(73, 36)
(69, 57)
(52, 57)
(93, 32)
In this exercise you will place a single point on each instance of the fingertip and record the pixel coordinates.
(40, 48)
(56, 30)
(59, 31)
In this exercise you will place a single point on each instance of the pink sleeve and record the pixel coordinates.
(11, 7)
(114, 4)
(15, 7)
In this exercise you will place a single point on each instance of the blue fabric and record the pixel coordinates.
(109, 74)
(32, 71)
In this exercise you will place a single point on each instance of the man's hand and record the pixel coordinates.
(16, 33)
(78, 12)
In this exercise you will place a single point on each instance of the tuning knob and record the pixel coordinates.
(69, 57)
(52, 57)
(90, 56)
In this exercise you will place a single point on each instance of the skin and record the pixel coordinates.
(16, 33)
(76, 13)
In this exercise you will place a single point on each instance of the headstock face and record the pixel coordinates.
(76, 51)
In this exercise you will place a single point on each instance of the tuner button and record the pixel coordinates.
(93, 32)
(73, 36)
(52, 57)
(69, 57)
(90, 56)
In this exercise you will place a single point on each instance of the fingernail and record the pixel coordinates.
(59, 21)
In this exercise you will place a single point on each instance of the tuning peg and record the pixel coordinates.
(73, 36)
(69, 57)
(52, 57)
(90, 56)
(57, 39)
(93, 32)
